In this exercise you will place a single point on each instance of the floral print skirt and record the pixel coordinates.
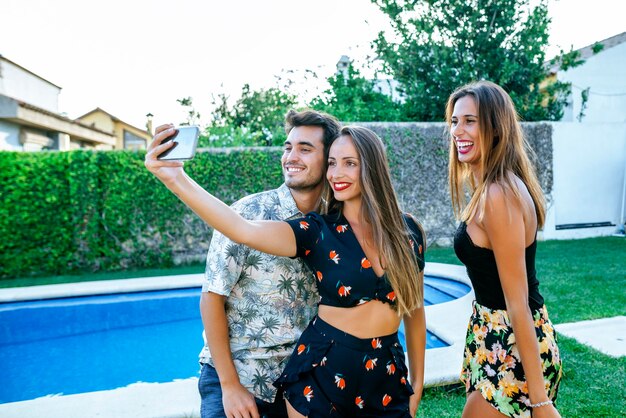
(492, 364)
(335, 374)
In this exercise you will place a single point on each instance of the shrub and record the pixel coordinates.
(90, 211)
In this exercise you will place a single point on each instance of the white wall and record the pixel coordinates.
(605, 75)
(9, 137)
(19, 84)
(589, 160)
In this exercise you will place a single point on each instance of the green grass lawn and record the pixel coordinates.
(114, 275)
(580, 279)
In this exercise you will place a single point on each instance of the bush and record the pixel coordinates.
(36, 222)
(89, 211)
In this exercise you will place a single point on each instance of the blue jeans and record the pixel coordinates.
(211, 405)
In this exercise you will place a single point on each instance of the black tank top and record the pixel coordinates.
(483, 271)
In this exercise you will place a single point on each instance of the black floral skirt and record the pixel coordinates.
(492, 364)
(334, 374)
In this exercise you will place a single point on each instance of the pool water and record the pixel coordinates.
(84, 344)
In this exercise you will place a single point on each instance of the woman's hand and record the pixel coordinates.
(414, 402)
(165, 171)
(415, 337)
(547, 411)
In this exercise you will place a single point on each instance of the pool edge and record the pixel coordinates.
(100, 287)
(180, 398)
(448, 321)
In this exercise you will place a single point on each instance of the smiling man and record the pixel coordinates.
(254, 306)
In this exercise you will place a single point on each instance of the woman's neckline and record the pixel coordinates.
(342, 219)
(471, 241)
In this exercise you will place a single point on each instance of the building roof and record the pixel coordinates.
(588, 51)
(63, 118)
(25, 114)
(113, 118)
(2, 57)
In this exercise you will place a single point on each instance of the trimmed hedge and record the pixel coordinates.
(90, 211)
(36, 233)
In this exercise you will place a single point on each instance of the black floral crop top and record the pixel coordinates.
(343, 274)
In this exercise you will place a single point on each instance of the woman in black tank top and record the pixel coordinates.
(512, 365)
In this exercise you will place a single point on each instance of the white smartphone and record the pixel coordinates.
(185, 142)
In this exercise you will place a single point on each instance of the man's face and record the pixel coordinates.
(303, 158)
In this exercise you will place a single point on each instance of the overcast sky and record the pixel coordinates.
(137, 56)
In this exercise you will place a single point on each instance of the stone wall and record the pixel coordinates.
(418, 154)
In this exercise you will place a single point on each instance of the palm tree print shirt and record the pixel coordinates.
(270, 300)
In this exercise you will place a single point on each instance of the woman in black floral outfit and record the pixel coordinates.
(512, 365)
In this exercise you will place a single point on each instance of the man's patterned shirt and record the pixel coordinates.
(270, 300)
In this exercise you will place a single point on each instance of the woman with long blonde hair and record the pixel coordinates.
(367, 260)
(512, 365)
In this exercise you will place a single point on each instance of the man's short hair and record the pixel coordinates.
(328, 123)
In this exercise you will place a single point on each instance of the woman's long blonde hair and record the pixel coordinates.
(503, 150)
(379, 207)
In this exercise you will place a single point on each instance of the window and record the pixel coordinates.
(133, 142)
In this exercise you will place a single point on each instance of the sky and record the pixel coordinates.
(136, 57)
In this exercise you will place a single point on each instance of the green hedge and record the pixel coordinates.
(36, 231)
(89, 211)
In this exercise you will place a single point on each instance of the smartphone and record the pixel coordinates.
(185, 142)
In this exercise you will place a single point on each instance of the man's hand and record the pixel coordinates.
(238, 402)
(163, 170)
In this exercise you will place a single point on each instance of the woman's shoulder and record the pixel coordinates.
(410, 219)
(417, 238)
(507, 203)
(414, 225)
(324, 218)
(497, 193)
(502, 194)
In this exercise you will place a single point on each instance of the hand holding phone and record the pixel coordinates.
(185, 142)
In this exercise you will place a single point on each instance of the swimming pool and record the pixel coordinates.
(90, 343)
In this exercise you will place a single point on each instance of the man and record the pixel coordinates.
(254, 306)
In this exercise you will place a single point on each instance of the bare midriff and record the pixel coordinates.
(372, 319)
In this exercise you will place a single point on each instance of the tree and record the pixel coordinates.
(352, 97)
(255, 119)
(263, 111)
(193, 117)
(440, 45)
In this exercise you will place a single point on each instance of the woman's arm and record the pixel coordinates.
(415, 324)
(267, 236)
(504, 224)
(415, 333)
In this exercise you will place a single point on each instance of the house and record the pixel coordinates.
(599, 84)
(126, 136)
(30, 119)
(589, 146)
